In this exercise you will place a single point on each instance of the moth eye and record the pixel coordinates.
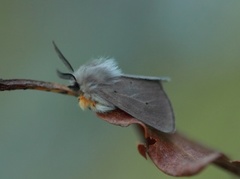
(75, 86)
(146, 103)
(115, 91)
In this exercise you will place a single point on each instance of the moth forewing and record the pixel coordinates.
(143, 98)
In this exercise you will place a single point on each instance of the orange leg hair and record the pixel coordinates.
(86, 103)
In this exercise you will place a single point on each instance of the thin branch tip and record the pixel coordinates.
(24, 84)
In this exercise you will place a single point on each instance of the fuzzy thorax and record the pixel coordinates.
(90, 77)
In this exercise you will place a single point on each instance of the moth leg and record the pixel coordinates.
(86, 103)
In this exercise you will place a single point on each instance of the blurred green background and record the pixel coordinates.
(44, 135)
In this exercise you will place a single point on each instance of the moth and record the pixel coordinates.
(102, 87)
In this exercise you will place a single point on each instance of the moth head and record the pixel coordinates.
(67, 76)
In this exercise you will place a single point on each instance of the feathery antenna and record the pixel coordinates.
(61, 56)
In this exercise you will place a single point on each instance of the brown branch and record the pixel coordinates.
(23, 84)
(174, 154)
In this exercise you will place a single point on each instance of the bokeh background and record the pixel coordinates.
(196, 43)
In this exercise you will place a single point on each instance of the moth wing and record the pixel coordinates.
(142, 98)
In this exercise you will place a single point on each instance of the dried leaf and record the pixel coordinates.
(173, 154)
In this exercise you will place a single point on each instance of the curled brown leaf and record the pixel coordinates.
(174, 154)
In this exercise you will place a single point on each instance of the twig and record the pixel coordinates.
(23, 84)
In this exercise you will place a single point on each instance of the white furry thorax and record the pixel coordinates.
(95, 73)
(98, 72)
